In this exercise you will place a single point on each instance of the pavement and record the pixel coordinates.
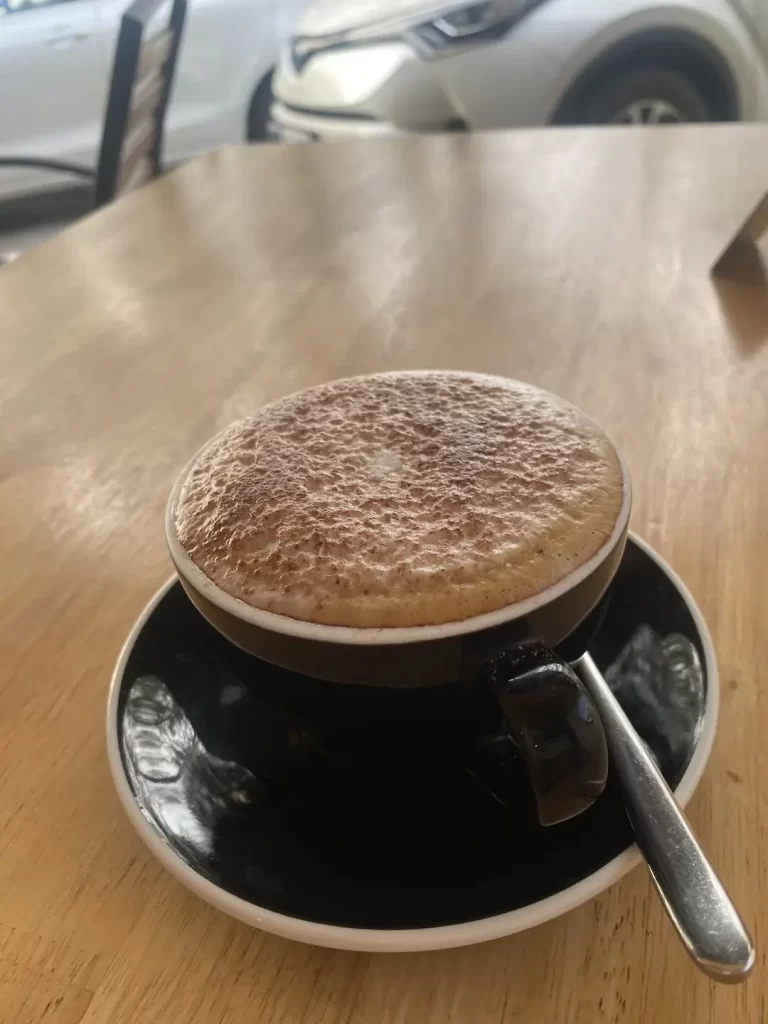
(30, 221)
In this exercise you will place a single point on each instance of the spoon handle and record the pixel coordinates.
(693, 896)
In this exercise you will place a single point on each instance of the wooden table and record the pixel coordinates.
(575, 259)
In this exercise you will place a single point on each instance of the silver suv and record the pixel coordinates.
(380, 67)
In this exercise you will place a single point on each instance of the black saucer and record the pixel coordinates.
(247, 791)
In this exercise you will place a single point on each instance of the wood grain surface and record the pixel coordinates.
(576, 259)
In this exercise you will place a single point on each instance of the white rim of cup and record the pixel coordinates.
(409, 939)
(351, 635)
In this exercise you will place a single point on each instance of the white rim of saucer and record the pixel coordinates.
(409, 939)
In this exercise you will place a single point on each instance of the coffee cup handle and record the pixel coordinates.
(555, 727)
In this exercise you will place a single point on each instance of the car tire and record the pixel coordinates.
(644, 95)
(258, 112)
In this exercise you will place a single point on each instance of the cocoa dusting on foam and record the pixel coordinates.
(400, 499)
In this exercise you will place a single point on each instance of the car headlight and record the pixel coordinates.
(468, 24)
(458, 24)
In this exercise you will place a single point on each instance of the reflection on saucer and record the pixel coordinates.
(660, 684)
(184, 787)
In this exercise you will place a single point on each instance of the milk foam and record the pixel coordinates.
(400, 499)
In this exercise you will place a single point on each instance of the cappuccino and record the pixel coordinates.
(400, 499)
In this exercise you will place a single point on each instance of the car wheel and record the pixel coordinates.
(643, 96)
(258, 112)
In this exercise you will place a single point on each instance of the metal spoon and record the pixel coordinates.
(693, 896)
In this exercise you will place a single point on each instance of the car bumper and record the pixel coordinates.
(371, 91)
(380, 88)
(286, 124)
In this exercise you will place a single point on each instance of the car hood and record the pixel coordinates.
(325, 17)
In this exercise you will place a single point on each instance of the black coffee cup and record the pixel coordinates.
(508, 653)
